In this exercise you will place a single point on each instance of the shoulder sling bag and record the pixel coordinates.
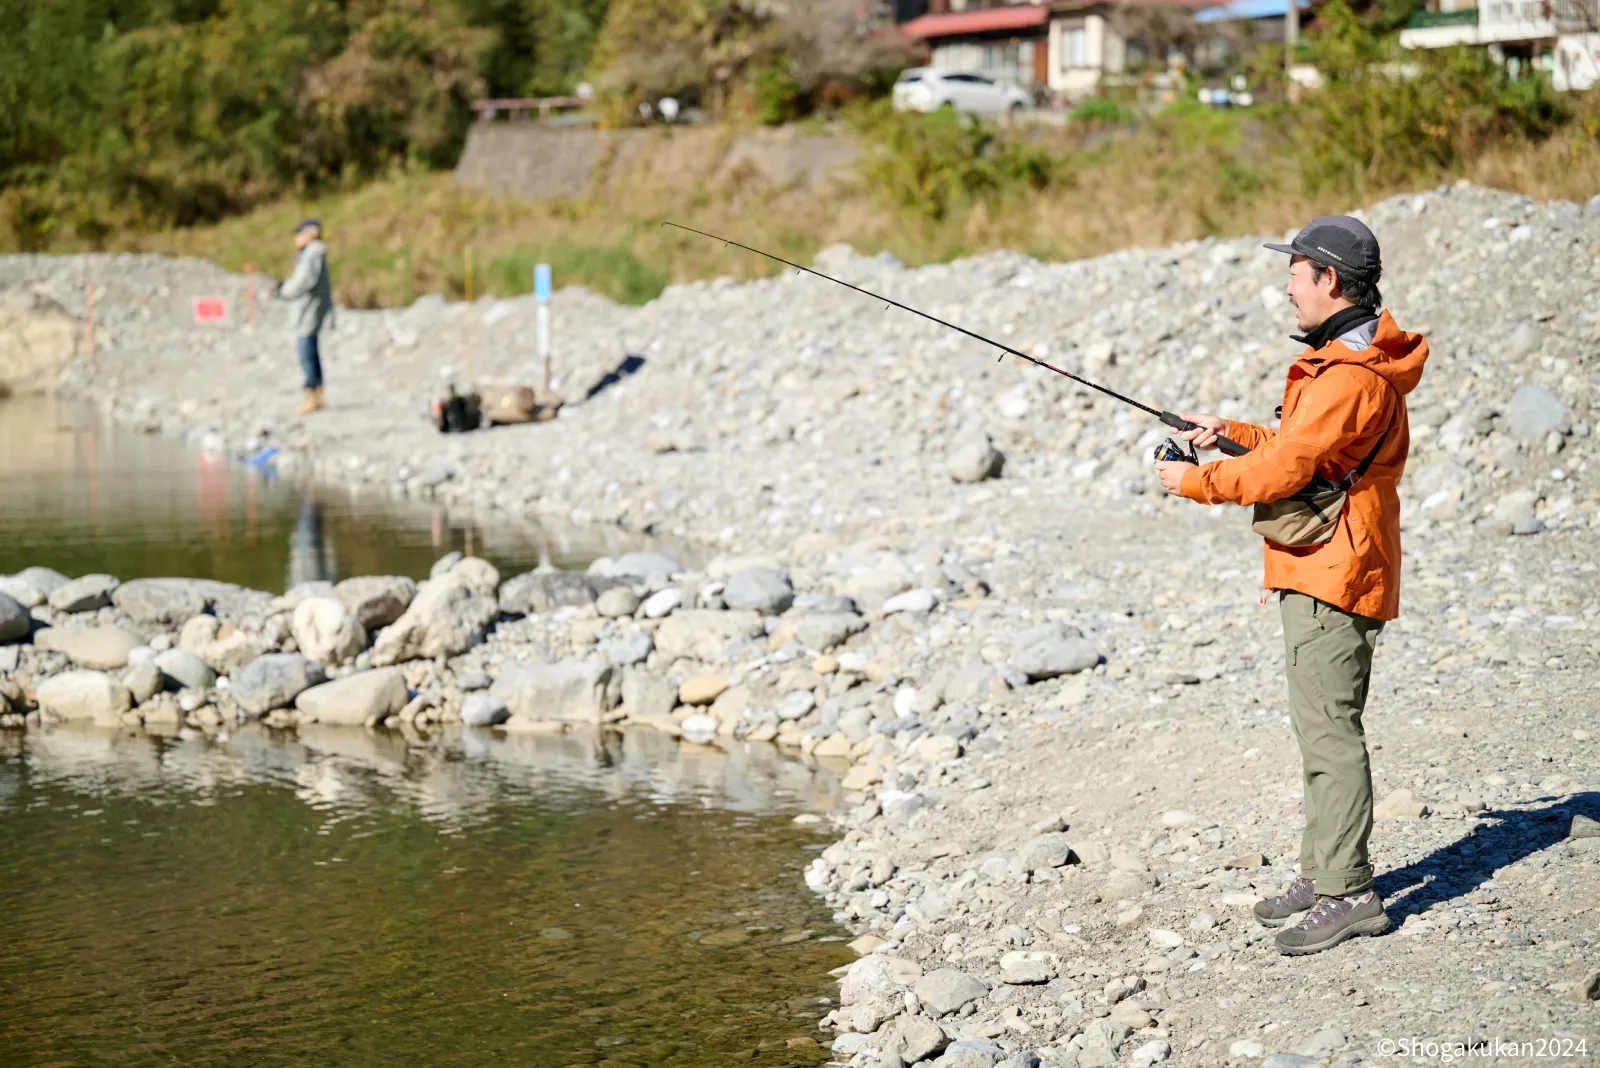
(1310, 516)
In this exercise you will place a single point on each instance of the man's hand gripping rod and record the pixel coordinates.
(1227, 445)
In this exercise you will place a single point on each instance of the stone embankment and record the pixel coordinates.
(1056, 703)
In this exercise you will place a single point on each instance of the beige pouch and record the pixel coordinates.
(1311, 516)
(1308, 518)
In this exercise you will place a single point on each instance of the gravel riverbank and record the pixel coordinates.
(1056, 704)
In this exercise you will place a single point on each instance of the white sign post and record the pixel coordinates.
(541, 293)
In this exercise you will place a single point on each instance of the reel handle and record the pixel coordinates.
(1227, 445)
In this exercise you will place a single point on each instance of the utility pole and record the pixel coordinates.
(1291, 37)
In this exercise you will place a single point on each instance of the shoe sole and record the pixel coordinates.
(1374, 926)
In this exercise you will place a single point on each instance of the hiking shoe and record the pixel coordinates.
(1332, 920)
(1275, 911)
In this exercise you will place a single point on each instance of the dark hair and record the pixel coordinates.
(1363, 293)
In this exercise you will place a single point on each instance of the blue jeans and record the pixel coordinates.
(310, 360)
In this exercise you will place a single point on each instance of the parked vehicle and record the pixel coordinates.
(927, 89)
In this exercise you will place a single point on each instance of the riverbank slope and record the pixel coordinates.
(934, 627)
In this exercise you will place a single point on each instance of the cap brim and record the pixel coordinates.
(1290, 249)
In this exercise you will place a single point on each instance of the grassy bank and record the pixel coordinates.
(926, 190)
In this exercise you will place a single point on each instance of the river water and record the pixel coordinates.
(333, 896)
(81, 495)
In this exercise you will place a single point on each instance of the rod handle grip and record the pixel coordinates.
(1227, 445)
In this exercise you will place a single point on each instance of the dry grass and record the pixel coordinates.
(402, 237)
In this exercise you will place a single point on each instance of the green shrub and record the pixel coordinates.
(931, 165)
(1386, 116)
(1100, 110)
(777, 95)
(613, 270)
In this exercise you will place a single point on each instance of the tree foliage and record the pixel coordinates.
(1385, 115)
(774, 61)
(177, 111)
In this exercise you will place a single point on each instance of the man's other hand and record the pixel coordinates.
(1209, 427)
(1171, 472)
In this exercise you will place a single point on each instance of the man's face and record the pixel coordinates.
(302, 238)
(1312, 297)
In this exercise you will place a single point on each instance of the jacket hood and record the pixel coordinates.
(1381, 347)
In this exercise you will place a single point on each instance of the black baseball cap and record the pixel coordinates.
(1337, 241)
(308, 224)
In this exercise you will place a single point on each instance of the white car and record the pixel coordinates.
(927, 89)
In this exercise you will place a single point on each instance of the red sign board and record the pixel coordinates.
(210, 310)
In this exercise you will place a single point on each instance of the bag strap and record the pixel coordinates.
(1350, 480)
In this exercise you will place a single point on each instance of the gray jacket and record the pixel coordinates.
(310, 290)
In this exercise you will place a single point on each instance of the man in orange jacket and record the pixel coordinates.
(1343, 407)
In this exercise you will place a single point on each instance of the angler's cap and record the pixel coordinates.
(1337, 241)
(307, 224)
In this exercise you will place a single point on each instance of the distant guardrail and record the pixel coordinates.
(523, 107)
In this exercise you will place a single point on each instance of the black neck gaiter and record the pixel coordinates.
(1340, 322)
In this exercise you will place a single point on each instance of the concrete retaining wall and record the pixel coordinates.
(540, 162)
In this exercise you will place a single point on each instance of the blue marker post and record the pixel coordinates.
(541, 293)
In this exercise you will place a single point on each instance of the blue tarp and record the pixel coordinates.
(1248, 9)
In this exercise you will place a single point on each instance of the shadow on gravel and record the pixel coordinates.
(1470, 861)
(630, 364)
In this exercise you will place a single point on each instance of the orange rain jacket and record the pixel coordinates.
(1338, 399)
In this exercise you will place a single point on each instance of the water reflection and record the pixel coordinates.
(81, 496)
(537, 899)
(460, 775)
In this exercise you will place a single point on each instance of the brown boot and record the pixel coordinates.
(321, 403)
(310, 404)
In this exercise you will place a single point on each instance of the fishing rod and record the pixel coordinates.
(1227, 445)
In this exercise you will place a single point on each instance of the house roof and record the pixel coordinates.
(984, 20)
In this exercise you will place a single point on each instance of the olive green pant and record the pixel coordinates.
(1328, 658)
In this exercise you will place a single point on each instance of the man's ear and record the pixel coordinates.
(1334, 284)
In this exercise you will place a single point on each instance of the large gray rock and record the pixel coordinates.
(1045, 851)
(100, 648)
(647, 695)
(186, 670)
(273, 681)
(970, 1053)
(44, 580)
(15, 621)
(581, 692)
(823, 631)
(1534, 412)
(1053, 649)
(545, 591)
(83, 594)
(165, 601)
(237, 604)
(447, 618)
(224, 647)
(327, 631)
(947, 990)
(759, 589)
(974, 458)
(21, 592)
(700, 634)
(483, 710)
(916, 1038)
(631, 648)
(376, 600)
(365, 697)
(643, 565)
(617, 602)
(477, 574)
(84, 695)
(144, 680)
